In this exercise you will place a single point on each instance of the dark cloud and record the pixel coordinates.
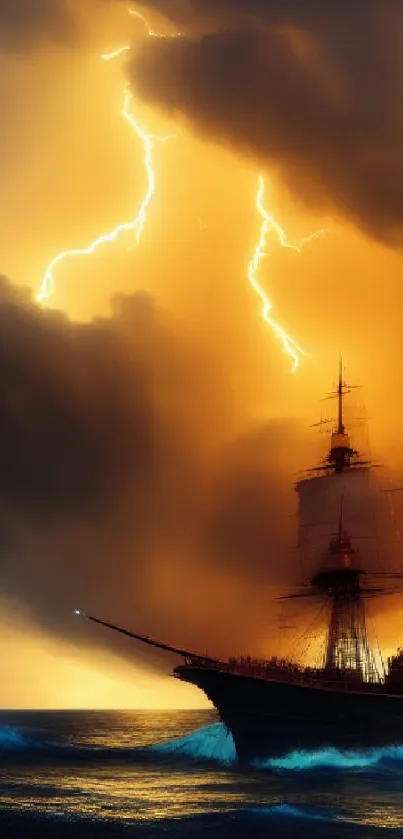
(119, 489)
(64, 421)
(313, 88)
(22, 21)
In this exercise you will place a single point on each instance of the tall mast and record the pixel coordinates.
(339, 581)
(342, 458)
(341, 455)
(340, 428)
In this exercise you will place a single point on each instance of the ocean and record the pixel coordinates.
(93, 775)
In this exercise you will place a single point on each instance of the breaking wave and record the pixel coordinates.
(213, 744)
(331, 758)
(12, 739)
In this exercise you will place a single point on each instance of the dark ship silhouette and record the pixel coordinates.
(272, 707)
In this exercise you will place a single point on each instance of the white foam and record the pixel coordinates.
(333, 758)
(214, 742)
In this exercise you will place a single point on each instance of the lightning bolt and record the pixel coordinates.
(109, 56)
(136, 224)
(150, 32)
(290, 345)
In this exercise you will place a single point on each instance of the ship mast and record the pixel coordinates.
(323, 483)
(341, 456)
(341, 452)
(340, 577)
(340, 397)
(347, 650)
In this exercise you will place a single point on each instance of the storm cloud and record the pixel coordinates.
(313, 89)
(119, 491)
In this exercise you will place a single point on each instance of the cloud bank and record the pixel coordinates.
(313, 89)
(120, 488)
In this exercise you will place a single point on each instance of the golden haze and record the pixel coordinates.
(71, 169)
(61, 676)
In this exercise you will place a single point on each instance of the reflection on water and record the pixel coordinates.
(145, 768)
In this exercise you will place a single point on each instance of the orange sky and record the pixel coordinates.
(70, 170)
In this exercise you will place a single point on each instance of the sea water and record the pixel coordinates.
(89, 775)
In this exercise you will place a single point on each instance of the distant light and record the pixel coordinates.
(77, 611)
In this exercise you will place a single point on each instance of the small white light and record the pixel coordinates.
(77, 612)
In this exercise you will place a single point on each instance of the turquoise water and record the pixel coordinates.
(98, 774)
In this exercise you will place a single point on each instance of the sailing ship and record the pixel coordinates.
(350, 700)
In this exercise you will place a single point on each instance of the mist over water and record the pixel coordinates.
(175, 774)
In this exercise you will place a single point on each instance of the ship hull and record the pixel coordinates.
(270, 719)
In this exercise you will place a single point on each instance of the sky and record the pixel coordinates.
(151, 428)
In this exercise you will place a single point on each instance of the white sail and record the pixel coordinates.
(319, 508)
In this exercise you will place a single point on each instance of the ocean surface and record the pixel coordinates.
(92, 775)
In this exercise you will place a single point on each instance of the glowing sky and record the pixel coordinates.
(176, 405)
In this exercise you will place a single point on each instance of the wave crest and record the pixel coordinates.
(214, 742)
(332, 758)
(11, 739)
